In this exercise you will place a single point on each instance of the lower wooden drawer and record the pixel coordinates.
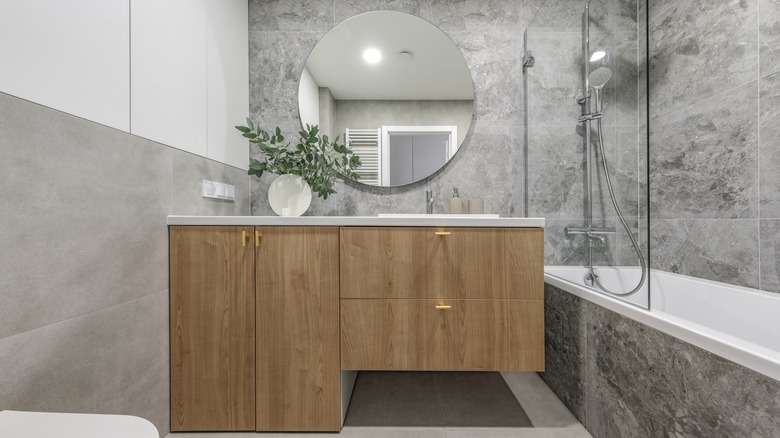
(470, 335)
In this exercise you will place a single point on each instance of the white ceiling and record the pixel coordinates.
(437, 70)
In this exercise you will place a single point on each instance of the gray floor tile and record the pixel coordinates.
(542, 406)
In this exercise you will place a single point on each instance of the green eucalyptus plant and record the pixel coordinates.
(315, 158)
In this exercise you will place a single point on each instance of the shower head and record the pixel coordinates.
(599, 77)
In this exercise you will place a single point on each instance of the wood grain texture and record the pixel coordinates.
(473, 335)
(212, 329)
(298, 372)
(389, 262)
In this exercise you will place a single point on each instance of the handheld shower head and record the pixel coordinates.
(599, 77)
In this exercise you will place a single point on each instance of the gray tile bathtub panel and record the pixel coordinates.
(84, 223)
(646, 383)
(700, 48)
(769, 145)
(718, 250)
(290, 15)
(188, 173)
(703, 162)
(112, 361)
(565, 343)
(769, 36)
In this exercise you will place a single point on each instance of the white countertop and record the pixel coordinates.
(456, 220)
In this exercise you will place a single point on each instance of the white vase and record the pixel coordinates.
(289, 195)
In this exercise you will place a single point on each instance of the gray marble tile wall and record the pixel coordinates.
(84, 266)
(489, 164)
(714, 87)
(623, 379)
(556, 149)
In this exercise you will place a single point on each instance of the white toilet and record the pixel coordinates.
(18, 424)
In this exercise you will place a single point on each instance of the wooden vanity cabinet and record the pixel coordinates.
(465, 299)
(298, 370)
(212, 328)
(254, 328)
(263, 319)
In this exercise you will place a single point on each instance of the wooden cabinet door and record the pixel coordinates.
(212, 327)
(469, 335)
(298, 370)
(389, 262)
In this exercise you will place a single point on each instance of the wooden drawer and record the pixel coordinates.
(473, 335)
(417, 262)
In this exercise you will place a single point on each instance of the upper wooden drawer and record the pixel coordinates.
(389, 262)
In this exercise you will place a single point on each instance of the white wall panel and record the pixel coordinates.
(69, 55)
(227, 39)
(168, 71)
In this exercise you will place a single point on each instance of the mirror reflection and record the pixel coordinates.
(395, 89)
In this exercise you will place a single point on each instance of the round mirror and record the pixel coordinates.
(395, 89)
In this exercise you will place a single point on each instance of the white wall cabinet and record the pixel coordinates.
(72, 56)
(172, 71)
(227, 54)
(168, 100)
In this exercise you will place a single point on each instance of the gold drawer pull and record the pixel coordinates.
(442, 233)
(443, 306)
(244, 237)
(258, 238)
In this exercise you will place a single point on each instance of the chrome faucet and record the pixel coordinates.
(429, 201)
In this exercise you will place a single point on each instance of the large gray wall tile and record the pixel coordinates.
(769, 145)
(112, 361)
(474, 15)
(84, 224)
(719, 250)
(703, 159)
(290, 15)
(769, 36)
(700, 48)
(555, 81)
(770, 254)
(566, 16)
(484, 169)
(275, 64)
(188, 173)
(349, 8)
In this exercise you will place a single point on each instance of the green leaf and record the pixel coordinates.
(249, 123)
(250, 135)
(243, 129)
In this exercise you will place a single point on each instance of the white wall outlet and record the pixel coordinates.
(217, 190)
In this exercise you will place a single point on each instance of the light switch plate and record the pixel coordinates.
(218, 190)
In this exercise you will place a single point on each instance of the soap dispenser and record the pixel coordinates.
(456, 204)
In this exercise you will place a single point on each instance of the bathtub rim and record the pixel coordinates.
(747, 354)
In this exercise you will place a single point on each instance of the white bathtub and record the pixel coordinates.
(737, 323)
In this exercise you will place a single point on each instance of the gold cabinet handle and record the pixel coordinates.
(258, 238)
(443, 306)
(244, 238)
(442, 233)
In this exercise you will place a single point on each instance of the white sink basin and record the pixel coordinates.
(439, 216)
